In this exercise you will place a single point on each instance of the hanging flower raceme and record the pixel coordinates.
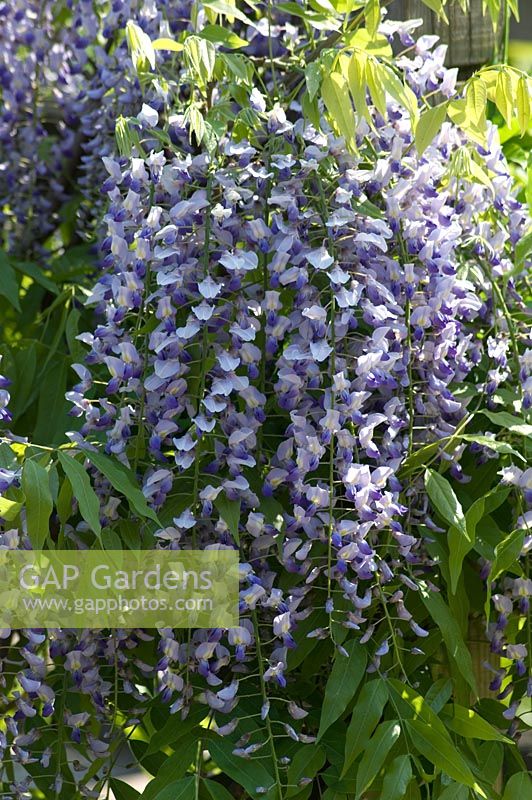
(280, 326)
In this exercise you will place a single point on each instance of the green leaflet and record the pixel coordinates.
(460, 545)
(123, 481)
(346, 674)
(466, 722)
(519, 787)
(39, 504)
(454, 643)
(167, 44)
(439, 750)
(89, 505)
(122, 791)
(251, 774)
(398, 776)
(439, 693)
(491, 756)
(444, 500)
(455, 791)
(429, 124)
(219, 34)
(230, 513)
(201, 55)
(507, 553)
(504, 95)
(9, 287)
(366, 714)
(523, 249)
(313, 79)
(336, 97)
(217, 791)
(372, 15)
(183, 789)
(523, 104)
(476, 99)
(506, 557)
(306, 763)
(493, 444)
(9, 509)
(375, 754)
(171, 773)
(227, 10)
(437, 6)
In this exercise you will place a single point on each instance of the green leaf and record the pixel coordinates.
(507, 553)
(336, 97)
(217, 791)
(519, 787)
(39, 505)
(122, 791)
(439, 750)
(444, 500)
(200, 55)
(229, 511)
(197, 123)
(455, 791)
(89, 505)
(490, 760)
(36, 274)
(375, 754)
(167, 44)
(9, 509)
(372, 16)
(251, 774)
(346, 674)
(492, 444)
(457, 112)
(306, 763)
(9, 287)
(313, 79)
(377, 45)
(123, 481)
(439, 693)
(502, 418)
(504, 95)
(366, 714)
(451, 633)
(398, 776)
(375, 73)
(227, 10)
(400, 91)
(183, 789)
(356, 76)
(437, 6)
(476, 98)
(523, 104)
(523, 249)
(416, 706)
(219, 35)
(175, 729)
(238, 65)
(140, 47)
(466, 722)
(170, 775)
(460, 545)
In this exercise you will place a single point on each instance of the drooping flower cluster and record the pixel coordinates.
(65, 78)
(279, 327)
(311, 320)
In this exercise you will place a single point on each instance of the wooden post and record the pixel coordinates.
(470, 36)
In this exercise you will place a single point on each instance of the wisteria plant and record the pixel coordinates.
(265, 286)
